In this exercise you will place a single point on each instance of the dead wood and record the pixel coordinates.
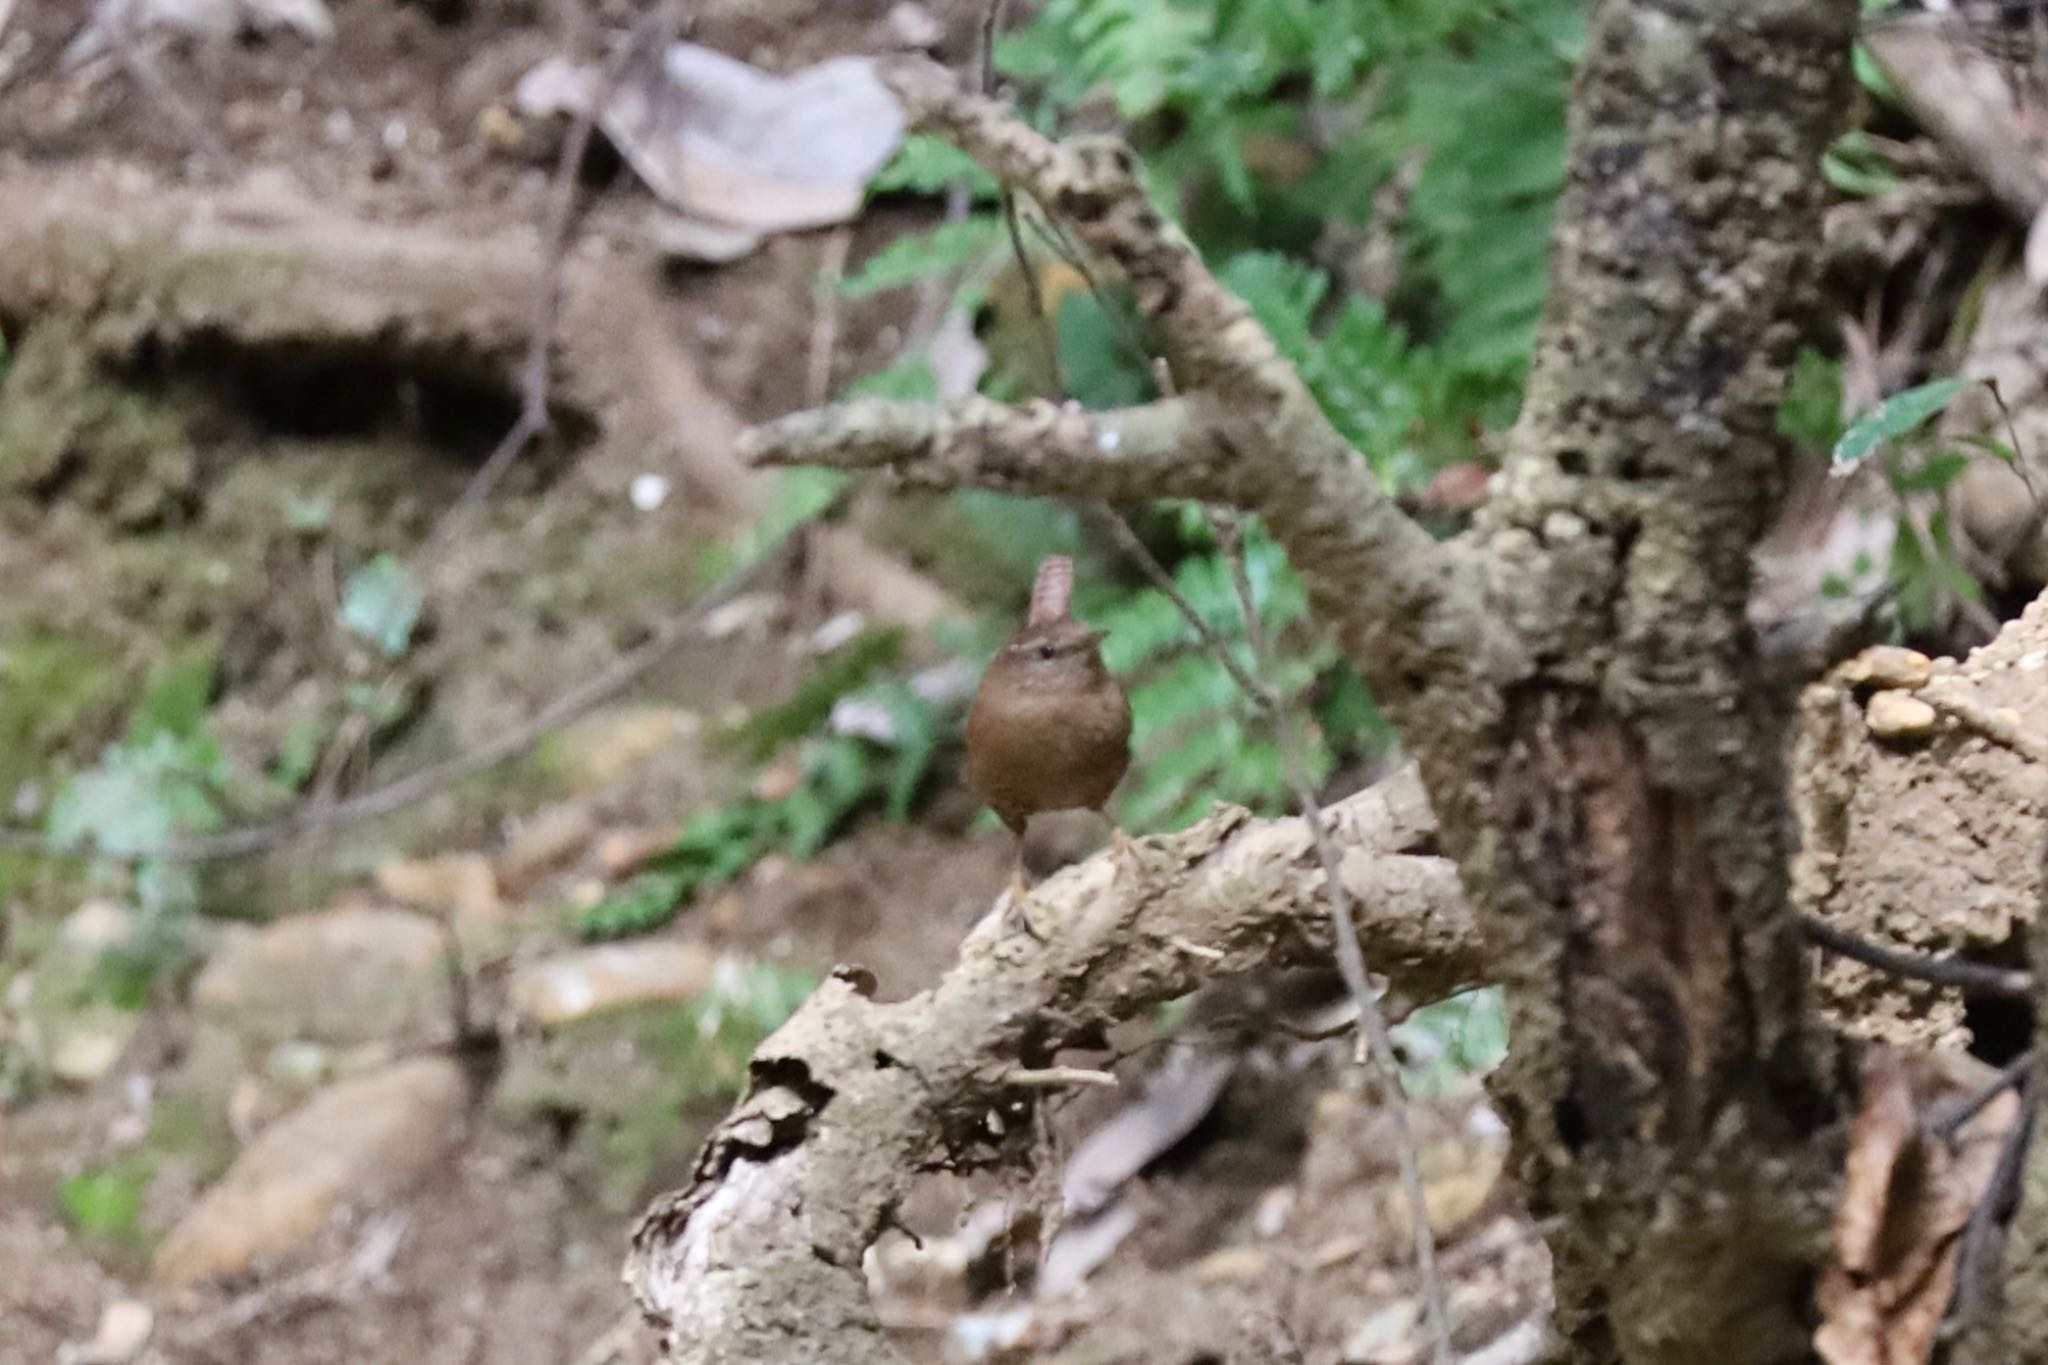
(853, 1098)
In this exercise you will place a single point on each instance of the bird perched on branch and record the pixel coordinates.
(1051, 727)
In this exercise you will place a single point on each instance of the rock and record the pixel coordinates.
(1387, 1337)
(1898, 715)
(625, 851)
(458, 884)
(913, 26)
(356, 1142)
(125, 1325)
(84, 1045)
(341, 977)
(573, 985)
(544, 842)
(1888, 666)
(97, 927)
(605, 746)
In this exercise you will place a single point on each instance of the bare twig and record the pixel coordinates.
(1978, 1264)
(157, 88)
(1946, 1121)
(1057, 1077)
(547, 300)
(1350, 954)
(1969, 976)
(825, 317)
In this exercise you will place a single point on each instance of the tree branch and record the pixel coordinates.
(1175, 447)
(1406, 607)
(853, 1098)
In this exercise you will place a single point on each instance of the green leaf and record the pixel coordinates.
(921, 255)
(1811, 412)
(1101, 371)
(924, 164)
(1894, 417)
(641, 906)
(106, 1204)
(1932, 475)
(381, 602)
(174, 702)
(1856, 166)
(911, 378)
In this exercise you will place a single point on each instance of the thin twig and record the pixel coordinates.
(156, 87)
(1034, 297)
(547, 299)
(825, 318)
(1057, 1077)
(1351, 964)
(1134, 549)
(991, 24)
(2019, 455)
(1978, 1262)
(1970, 976)
(418, 786)
(1944, 1123)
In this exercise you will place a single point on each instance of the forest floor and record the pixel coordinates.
(311, 1141)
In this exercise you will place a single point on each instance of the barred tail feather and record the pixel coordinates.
(1053, 593)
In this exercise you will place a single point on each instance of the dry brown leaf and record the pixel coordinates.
(1906, 1199)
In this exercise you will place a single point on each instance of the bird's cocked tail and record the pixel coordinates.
(1053, 594)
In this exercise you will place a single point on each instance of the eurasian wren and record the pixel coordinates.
(1051, 728)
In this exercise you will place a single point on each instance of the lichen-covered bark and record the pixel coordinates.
(1666, 1086)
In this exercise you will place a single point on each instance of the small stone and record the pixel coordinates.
(1888, 666)
(1232, 1263)
(573, 985)
(341, 977)
(499, 129)
(609, 745)
(356, 1143)
(461, 884)
(1387, 1337)
(125, 1325)
(1898, 715)
(913, 26)
(626, 850)
(544, 842)
(84, 1046)
(298, 1064)
(97, 927)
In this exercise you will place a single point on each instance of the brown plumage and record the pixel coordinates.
(1051, 727)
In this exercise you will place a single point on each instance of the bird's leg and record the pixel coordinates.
(1013, 898)
(1122, 851)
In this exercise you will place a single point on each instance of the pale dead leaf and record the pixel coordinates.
(737, 152)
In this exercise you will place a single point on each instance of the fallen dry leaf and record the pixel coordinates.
(1906, 1199)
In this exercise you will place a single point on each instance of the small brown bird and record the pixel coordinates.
(1051, 727)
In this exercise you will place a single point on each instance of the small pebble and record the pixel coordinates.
(1888, 666)
(1898, 715)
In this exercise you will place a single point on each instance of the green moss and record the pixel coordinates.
(120, 452)
(105, 1203)
(54, 690)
